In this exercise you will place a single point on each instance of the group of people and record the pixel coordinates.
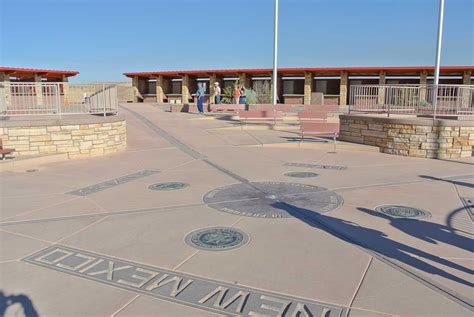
(238, 94)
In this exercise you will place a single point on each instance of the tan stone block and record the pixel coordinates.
(60, 136)
(461, 141)
(13, 143)
(423, 129)
(53, 128)
(444, 134)
(417, 153)
(430, 146)
(18, 132)
(467, 148)
(453, 151)
(418, 138)
(379, 134)
(63, 143)
(354, 139)
(401, 146)
(69, 127)
(359, 126)
(37, 143)
(47, 149)
(466, 153)
(396, 152)
(90, 137)
(67, 149)
(37, 138)
(85, 127)
(376, 126)
(401, 140)
(344, 127)
(83, 132)
(86, 145)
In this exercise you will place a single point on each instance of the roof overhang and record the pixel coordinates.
(326, 71)
(31, 72)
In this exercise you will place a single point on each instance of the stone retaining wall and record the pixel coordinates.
(84, 137)
(417, 137)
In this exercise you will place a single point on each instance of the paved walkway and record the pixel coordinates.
(90, 238)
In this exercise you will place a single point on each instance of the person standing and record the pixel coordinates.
(217, 90)
(242, 96)
(236, 95)
(200, 97)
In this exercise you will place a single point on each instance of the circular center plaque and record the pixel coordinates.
(217, 239)
(396, 211)
(273, 199)
(301, 174)
(168, 186)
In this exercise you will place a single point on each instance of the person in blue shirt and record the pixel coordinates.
(200, 97)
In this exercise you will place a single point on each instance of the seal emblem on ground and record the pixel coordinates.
(168, 186)
(273, 199)
(217, 239)
(403, 212)
(301, 174)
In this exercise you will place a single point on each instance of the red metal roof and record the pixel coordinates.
(23, 72)
(321, 70)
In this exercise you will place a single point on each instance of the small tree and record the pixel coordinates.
(263, 91)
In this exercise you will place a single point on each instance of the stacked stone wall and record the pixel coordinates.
(76, 140)
(442, 139)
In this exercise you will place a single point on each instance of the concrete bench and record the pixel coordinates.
(278, 107)
(4, 151)
(326, 108)
(312, 115)
(261, 116)
(228, 107)
(319, 129)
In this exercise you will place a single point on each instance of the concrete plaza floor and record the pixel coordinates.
(348, 261)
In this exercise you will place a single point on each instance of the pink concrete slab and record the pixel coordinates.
(17, 205)
(385, 289)
(287, 256)
(14, 247)
(54, 293)
(154, 238)
(53, 230)
(73, 207)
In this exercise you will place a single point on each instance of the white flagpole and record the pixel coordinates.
(438, 55)
(275, 55)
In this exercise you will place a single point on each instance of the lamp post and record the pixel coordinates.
(275, 55)
(438, 55)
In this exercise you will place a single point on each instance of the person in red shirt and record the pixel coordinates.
(236, 95)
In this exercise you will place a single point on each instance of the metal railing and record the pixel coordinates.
(62, 98)
(430, 100)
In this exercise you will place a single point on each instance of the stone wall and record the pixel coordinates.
(417, 137)
(78, 137)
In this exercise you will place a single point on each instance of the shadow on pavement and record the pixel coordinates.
(378, 242)
(455, 182)
(16, 305)
(426, 231)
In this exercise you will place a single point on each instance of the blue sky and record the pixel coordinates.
(104, 38)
